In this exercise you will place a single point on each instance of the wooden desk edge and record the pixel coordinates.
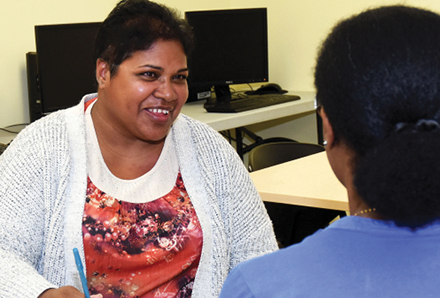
(304, 201)
(311, 183)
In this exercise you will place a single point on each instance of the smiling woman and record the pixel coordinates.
(137, 106)
(157, 203)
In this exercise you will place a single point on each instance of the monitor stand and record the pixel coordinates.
(221, 99)
(223, 93)
(223, 102)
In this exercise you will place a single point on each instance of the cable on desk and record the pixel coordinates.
(10, 131)
(6, 129)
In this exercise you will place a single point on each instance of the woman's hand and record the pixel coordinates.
(65, 292)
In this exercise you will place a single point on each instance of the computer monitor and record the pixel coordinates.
(65, 65)
(231, 47)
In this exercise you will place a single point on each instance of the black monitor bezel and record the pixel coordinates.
(225, 82)
(55, 85)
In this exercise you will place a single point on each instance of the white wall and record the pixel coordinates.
(296, 29)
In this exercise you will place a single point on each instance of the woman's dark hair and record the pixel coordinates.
(135, 25)
(378, 79)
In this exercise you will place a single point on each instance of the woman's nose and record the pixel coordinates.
(166, 91)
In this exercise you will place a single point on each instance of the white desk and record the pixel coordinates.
(308, 181)
(224, 121)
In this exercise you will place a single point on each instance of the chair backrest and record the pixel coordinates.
(271, 154)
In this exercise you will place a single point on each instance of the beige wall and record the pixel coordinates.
(296, 28)
(17, 21)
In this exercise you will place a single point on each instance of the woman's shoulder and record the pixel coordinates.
(193, 137)
(187, 121)
(43, 128)
(199, 133)
(343, 256)
(50, 130)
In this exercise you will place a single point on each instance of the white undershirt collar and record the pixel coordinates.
(158, 182)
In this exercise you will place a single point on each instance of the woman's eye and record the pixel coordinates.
(180, 77)
(149, 75)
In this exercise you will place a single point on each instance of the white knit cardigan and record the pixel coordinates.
(43, 178)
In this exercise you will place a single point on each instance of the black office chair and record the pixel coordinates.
(291, 223)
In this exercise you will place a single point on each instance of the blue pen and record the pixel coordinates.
(79, 265)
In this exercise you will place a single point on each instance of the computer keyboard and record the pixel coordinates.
(248, 103)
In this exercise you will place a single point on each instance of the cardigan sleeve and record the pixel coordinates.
(24, 168)
(232, 196)
(252, 232)
(235, 224)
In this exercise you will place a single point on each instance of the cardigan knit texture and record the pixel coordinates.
(43, 180)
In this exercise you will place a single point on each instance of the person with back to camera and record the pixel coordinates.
(158, 204)
(378, 88)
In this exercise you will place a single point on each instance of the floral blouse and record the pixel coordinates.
(141, 249)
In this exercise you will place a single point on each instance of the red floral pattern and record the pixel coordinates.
(141, 250)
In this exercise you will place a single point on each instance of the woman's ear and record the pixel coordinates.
(327, 129)
(102, 72)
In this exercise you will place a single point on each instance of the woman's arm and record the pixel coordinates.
(24, 216)
(252, 230)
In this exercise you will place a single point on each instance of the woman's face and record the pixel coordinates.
(147, 92)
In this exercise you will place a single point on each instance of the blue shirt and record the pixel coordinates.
(353, 257)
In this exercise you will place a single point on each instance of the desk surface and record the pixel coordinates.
(6, 137)
(224, 121)
(308, 181)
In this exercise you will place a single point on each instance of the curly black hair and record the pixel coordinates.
(135, 25)
(377, 77)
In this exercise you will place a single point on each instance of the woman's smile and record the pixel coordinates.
(145, 95)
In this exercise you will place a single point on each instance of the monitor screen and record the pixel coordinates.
(65, 63)
(231, 47)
